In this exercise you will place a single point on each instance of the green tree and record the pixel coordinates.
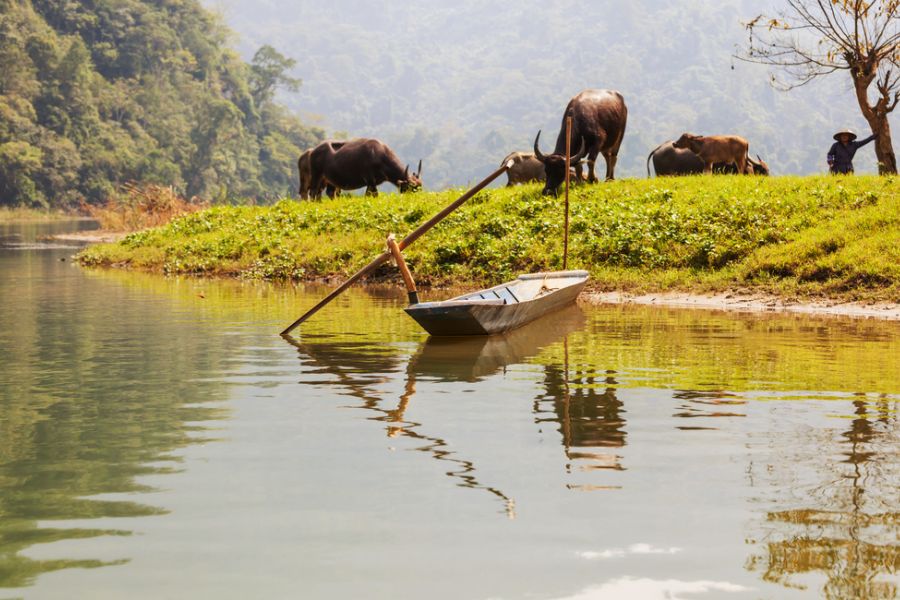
(19, 162)
(268, 71)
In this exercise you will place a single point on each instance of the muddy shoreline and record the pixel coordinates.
(748, 302)
(87, 237)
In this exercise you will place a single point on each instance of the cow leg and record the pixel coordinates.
(372, 190)
(592, 165)
(315, 188)
(306, 189)
(742, 165)
(707, 168)
(611, 159)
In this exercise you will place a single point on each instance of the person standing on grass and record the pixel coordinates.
(840, 157)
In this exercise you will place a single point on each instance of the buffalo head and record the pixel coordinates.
(555, 165)
(411, 183)
(760, 167)
(687, 141)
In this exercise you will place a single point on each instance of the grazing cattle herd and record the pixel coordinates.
(598, 127)
(669, 160)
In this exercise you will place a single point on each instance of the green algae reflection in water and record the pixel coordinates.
(94, 395)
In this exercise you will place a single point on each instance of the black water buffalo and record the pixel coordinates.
(598, 126)
(304, 170)
(669, 160)
(360, 163)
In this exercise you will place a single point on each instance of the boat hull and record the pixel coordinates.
(467, 316)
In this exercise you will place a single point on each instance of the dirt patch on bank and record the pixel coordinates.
(87, 237)
(749, 302)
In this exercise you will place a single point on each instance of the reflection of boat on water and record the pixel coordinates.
(473, 358)
(359, 367)
(501, 308)
(590, 417)
(442, 358)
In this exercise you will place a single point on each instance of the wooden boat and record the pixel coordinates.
(501, 308)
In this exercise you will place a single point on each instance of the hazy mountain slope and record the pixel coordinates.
(461, 84)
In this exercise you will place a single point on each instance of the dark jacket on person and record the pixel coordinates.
(840, 157)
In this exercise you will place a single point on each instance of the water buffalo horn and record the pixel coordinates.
(581, 152)
(537, 151)
(406, 173)
(419, 172)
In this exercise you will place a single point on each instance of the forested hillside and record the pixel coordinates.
(460, 84)
(97, 93)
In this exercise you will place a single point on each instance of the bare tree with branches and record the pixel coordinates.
(812, 38)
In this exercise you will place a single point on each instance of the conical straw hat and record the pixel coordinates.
(837, 136)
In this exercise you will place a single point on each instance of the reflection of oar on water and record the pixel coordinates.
(397, 424)
(404, 243)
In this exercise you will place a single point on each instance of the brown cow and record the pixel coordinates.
(303, 167)
(305, 175)
(712, 149)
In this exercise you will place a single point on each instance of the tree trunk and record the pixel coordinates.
(878, 121)
(884, 149)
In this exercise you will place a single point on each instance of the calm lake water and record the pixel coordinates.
(159, 440)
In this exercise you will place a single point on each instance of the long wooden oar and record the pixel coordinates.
(568, 162)
(404, 243)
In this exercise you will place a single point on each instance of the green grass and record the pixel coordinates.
(794, 236)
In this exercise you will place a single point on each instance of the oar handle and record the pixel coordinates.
(404, 243)
(411, 290)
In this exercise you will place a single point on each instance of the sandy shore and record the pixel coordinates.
(749, 303)
(88, 237)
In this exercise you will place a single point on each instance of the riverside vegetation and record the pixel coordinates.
(792, 236)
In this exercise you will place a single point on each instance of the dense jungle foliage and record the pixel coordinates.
(97, 93)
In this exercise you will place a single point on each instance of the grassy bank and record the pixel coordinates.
(32, 215)
(793, 236)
